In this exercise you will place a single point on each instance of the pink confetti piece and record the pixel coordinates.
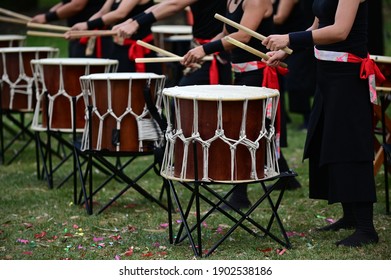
(75, 226)
(117, 257)
(330, 220)
(164, 225)
(80, 247)
(280, 252)
(156, 244)
(116, 237)
(204, 224)
(178, 221)
(23, 241)
(96, 239)
(219, 230)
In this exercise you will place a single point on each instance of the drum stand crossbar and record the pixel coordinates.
(198, 187)
(116, 170)
(64, 153)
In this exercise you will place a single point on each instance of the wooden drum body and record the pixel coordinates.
(121, 121)
(8, 41)
(17, 76)
(60, 81)
(384, 64)
(234, 140)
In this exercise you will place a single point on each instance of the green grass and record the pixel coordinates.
(41, 223)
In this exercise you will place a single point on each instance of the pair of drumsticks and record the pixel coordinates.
(172, 57)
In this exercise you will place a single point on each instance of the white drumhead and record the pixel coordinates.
(379, 58)
(172, 29)
(75, 61)
(11, 37)
(121, 76)
(27, 49)
(220, 92)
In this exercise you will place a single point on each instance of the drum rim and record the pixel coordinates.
(185, 94)
(170, 29)
(4, 37)
(381, 58)
(121, 76)
(74, 61)
(27, 49)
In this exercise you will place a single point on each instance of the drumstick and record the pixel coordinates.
(45, 34)
(12, 20)
(247, 30)
(165, 59)
(74, 34)
(162, 51)
(48, 26)
(15, 15)
(251, 50)
(156, 49)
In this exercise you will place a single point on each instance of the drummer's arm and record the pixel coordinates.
(62, 11)
(253, 13)
(168, 8)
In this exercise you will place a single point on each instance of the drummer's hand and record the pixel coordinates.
(126, 30)
(276, 42)
(193, 56)
(275, 58)
(39, 18)
(80, 26)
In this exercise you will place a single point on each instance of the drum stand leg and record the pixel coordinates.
(198, 187)
(386, 152)
(16, 135)
(115, 170)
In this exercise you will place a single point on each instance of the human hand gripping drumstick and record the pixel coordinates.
(247, 30)
(252, 50)
(162, 51)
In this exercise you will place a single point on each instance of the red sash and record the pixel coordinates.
(137, 51)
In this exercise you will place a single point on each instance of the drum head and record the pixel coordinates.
(121, 76)
(75, 61)
(220, 92)
(27, 49)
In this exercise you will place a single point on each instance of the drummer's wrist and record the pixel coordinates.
(95, 24)
(301, 39)
(213, 47)
(145, 19)
(51, 16)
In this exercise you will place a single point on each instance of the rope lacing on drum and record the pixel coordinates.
(25, 89)
(175, 134)
(147, 130)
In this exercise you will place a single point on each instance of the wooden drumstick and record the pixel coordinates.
(161, 51)
(12, 20)
(165, 59)
(156, 49)
(15, 15)
(251, 50)
(75, 34)
(45, 34)
(48, 26)
(247, 30)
